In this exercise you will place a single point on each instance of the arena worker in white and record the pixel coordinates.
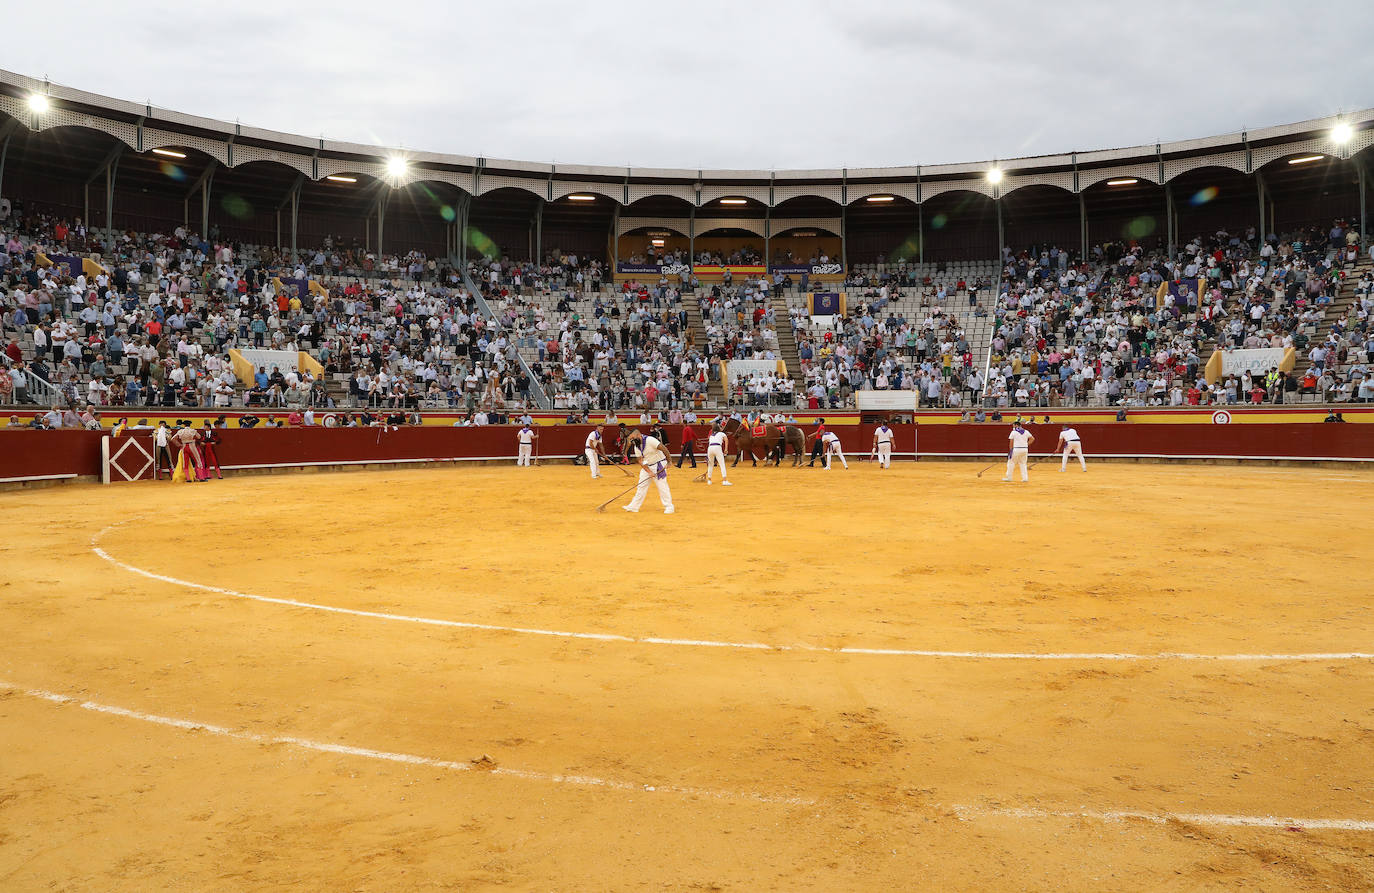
(831, 440)
(1071, 444)
(593, 451)
(1021, 441)
(653, 466)
(525, 439)
(715, 453)
(882, 445)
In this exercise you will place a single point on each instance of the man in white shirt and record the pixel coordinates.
(882, 445)
(1068, 439)
(715, 453)
(592, 450)
(1021, 441)
(525, 439)
(830, 442)
(653, 466)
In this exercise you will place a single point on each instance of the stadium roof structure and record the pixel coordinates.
(90, 131)
(143, 128)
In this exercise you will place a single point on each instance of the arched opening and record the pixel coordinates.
(960, 225)
(1309, 189)
(1212, 199)
(649, 246)
(500, 224)
(804, 246)
(577, 225)
(882, 228)
(732, 246)
(1038, 217)
(1124, 211)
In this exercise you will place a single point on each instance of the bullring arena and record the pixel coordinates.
(367, 649)
(463, 677)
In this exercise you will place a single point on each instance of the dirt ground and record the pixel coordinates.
(1076, 739)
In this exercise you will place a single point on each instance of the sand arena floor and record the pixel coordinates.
(463, 678)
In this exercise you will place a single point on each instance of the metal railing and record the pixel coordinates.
(541, 399)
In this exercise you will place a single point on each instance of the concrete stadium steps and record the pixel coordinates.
(787, 341)
(715, 388)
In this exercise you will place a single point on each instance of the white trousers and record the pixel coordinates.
(715, 456)
(834, 449)
(642, 490)
(885, 455)
(592, 460)
(1017, 459)
(1076, 448)
(526, 451)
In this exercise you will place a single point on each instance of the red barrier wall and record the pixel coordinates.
(36, 454)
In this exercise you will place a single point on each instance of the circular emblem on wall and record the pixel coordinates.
(1221, 417)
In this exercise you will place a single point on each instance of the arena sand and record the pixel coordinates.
(563, 763)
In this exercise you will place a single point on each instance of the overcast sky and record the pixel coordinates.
(721, 84)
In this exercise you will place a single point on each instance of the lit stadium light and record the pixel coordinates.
(1341, 134)
(396, 166)
(733, 201)
(38, 103)
(581, 198)
(1305, 159)
(880, 198)
(995, 175)
(340, 178)
(169, 153)
(1124, 181)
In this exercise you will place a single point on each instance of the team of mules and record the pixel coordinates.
(774, 440)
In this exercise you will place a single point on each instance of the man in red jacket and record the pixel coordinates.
(816, 447)
(689, 437)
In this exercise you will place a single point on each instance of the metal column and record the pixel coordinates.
(1364, 219)
(381, 219)
(110, 172)
(1170, 228)
(4, 153)
(1001, 236)
(844, 239)
(767, 238)
(1082, 227)
(538, 234)
(295, 221)
(1259, 195)
(921, 230)
(692, 238)
(615, 240)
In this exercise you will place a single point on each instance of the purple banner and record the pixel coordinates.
(627, 269)
(808, 269)
(73, 264)
(825, 303)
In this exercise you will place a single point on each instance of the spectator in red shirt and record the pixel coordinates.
(1194, 395)
(1257, 394)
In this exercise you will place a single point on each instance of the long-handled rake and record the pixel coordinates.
(602, 507)
(989, 468)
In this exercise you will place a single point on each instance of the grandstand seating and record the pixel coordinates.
(407, 330)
